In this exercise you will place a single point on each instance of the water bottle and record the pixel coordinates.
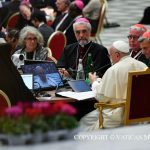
(80, 71)
(89, 67)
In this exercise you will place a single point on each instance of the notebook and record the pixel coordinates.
(79, 85)
(28, 80)
(45, 75)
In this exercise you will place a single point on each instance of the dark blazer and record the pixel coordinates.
(70, 56)
(46, 32)
(70, 36)
(141, 57)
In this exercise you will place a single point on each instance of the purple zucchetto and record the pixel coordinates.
(79, 4)
(82, 20)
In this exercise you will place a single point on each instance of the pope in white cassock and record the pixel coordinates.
(112, 86)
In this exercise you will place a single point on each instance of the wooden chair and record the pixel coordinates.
(4, 100)
(96, 36)
(57, 42)
(137, 105)
(11, 23)
(49, 55)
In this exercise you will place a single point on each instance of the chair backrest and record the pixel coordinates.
(57, 42)
(102, 15)
(138, 97)
(4, 100)
(137, 104)
(96, 37)
(50, 57)
(11, 23)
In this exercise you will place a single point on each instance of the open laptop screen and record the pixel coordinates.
(45, 75)
(79, 85)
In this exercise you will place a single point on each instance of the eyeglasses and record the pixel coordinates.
(31, 39)
(81, 31)
(134, 37)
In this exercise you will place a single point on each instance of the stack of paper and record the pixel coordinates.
(78, 95)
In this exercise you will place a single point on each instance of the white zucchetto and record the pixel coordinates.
(121, 46)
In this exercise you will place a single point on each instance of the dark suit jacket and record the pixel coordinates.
(46, 32)
(141, 57)
(70, 36)
(70, 56)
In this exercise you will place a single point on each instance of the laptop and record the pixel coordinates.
(45, 75)
(79, 85)
(28, 80)
(29, 61)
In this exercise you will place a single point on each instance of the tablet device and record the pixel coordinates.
(79, 85)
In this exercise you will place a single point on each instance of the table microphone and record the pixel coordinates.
(102, 67)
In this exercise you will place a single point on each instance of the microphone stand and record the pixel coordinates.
(102, 67)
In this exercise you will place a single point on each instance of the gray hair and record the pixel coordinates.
(32, 30)
(88, 25)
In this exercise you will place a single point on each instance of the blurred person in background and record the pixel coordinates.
(26, 11)
(92, 12)
(39, 20)
(145, 45)
(12, 38)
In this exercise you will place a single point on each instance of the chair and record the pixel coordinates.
(137, 105)
(57, 42)
(50, 57)
(11, 23)
(96, 36)
(4, 100)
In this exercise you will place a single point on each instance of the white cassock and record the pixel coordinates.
(112, 86)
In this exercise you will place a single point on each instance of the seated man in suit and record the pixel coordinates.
(39, 20)
(135, 32)
(80, 50)
(112, 87)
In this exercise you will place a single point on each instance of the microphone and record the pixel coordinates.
(58, 89)
(102, 67)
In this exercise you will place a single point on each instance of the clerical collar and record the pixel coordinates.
(135, 54)
(85, 44)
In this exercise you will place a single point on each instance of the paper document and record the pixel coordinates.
(78, 95)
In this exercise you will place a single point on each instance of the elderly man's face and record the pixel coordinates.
(25, 11)
(133, 39)
(82, 34)
(114, 55)
(145, 46)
